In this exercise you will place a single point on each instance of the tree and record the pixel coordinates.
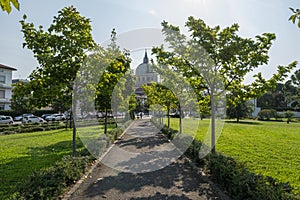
(22, 99)
(6, 5)
(118, 65)
(239, 111)
(60, 52)
(274, 98)
(296, 16)
(218, 60)
(159, 94)
(294, 84)
(288, 114)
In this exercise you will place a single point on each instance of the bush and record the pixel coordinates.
(168, 132)
(42, 112)
(51, 182)
(288, 114)
(242, 184)
(27, 128)
(267, 114)
(114, 134)
(236, 180)
(9, 113)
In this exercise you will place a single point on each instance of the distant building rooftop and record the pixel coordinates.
(7, 67)
(20, 80)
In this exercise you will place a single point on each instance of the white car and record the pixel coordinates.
(19, 118)
(55, 117)
(6, 120)
(33, 119)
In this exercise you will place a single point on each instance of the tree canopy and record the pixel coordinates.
(60, 52)
(217, 60)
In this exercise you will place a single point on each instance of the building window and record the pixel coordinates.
(2, 94)
(2, 79)
(2, 107)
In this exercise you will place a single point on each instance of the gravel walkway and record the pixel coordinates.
(142, 166)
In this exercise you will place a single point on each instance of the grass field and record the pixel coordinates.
(20, 154)
(268, 148)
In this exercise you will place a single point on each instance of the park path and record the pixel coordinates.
(142, 166)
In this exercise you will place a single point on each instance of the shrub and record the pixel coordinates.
(242, 184)
(9, 113)
(288, 114)
(267, 114)
(114, 134)
(168, 132)
(50, 183)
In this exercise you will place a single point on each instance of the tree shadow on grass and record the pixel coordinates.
(33, 135)
(15, 171)
(244, 122)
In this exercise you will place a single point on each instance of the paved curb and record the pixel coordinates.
(75, 187)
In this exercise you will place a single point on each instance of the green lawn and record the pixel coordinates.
(20, 154)
(268, 148)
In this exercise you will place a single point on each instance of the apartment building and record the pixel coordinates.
(5, 86)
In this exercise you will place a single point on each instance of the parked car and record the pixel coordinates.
(33, 119)
(56, 117)
(45, 115)
(6, 119)
(19, 118)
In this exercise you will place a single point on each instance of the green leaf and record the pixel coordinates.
(16, 4)
(5, 5)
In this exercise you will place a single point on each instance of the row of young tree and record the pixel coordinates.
(213, 61)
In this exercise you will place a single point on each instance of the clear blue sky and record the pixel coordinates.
(254, 17)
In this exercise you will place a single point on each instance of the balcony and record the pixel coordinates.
(5, 86)
(5, 100)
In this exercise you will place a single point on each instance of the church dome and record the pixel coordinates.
(144, 67)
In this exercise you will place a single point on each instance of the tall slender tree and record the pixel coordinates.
(60, 51)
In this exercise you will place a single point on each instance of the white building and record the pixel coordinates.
(5, 86)
(255, 108)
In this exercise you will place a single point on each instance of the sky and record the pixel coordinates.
(126, 16)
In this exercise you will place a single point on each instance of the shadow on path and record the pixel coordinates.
(158, 172)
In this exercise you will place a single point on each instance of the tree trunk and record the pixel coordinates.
(168, 113)
(213, 126)
(105, 122)
(180, 119)
(116, 119)
(73, 119)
